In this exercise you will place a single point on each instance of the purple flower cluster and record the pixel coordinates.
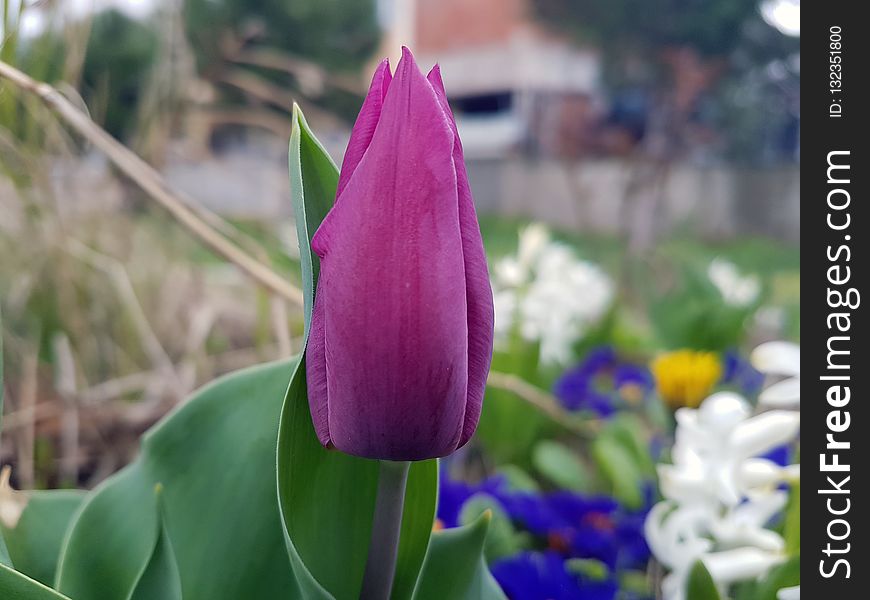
(602, 383)
(565, 525)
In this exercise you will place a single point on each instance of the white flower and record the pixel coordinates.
(713, 457)
(719, 496)
(679, 536)
(781, 359)
(548, 294)
(736, 289)
(789, 593)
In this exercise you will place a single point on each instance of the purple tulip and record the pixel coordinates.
(401, 332)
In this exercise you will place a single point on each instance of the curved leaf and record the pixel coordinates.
(454, 567)
(617, 463)
(35, 539)
(160, 579)
(313, 181)
(215, 457)
(17, 586)
(787, 574)
(700, 585)
(561, 465)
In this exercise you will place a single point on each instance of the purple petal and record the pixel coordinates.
(315, 371)
(366, 122)
(481, 316)
(395, 320)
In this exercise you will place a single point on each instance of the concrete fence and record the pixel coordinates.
(714, 202)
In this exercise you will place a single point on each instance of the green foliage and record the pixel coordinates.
(561, 465)
(35, 540)
(312, 196)
(617, 463)
(502, 539)
(120, 53)
(787, 574)
(509, 425)
(215, 459)
(17, 586)
(647, 25)
(700, 585)
(160, 578)
(327, 501)
(590, 568)
(693, 314)
(335, 33)
(517, 478)
(454, 567)
(792, 527)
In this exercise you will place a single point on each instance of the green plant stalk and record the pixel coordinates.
(384, 546)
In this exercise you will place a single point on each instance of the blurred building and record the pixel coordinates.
(514, 84)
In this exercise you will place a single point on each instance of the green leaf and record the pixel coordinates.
(590, 568)
(455, 568)
(700, 585)
(617, 463)
(636, 582)
(327, 501)
(17, 586)
(561, 465)
(35, 539)
(629, 430)
(215, 456)
(421, 498)
(518, 479)
(160, 579)
(313, 181)
(787, 574)
(502, 539)
(792, 529)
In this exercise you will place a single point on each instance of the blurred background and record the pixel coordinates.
(634, 164)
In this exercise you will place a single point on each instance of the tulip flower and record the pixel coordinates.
(402, 325)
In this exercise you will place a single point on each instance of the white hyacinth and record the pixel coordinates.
(719, 495)
(548, 295)
(736, 289)
(781, 359)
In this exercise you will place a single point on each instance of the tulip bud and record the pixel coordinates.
(401, 332)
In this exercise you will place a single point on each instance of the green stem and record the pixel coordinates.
(384, 545)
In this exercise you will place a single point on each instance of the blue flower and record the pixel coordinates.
(780, 455)
(544, 576)
(568, 524)
(739, 373)
(452, 494)
(581, 526)
(601, 382)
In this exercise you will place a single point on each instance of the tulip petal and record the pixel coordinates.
(395, 323)
(481, 316)
(366, 122)
(315, 372)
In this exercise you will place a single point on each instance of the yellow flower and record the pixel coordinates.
(685, 377)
